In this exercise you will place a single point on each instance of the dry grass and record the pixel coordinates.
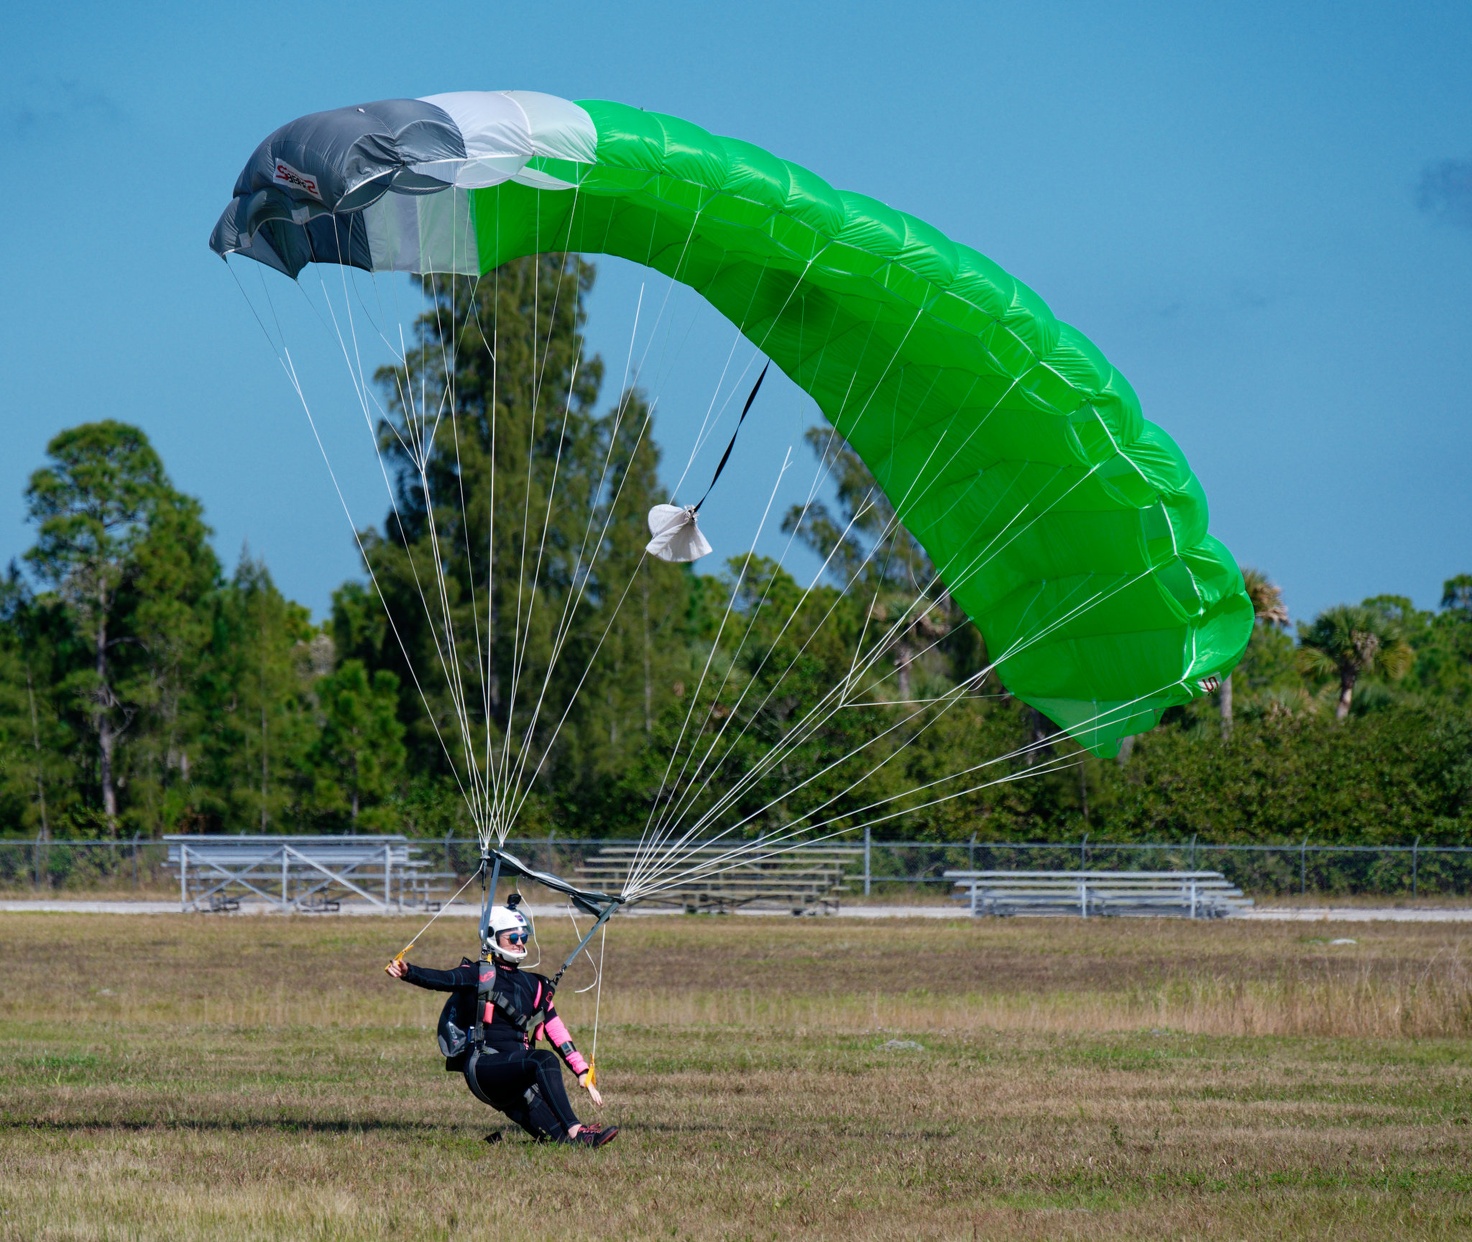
(173, 1077)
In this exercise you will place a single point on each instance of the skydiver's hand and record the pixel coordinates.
(593, 1093)
(397, 968)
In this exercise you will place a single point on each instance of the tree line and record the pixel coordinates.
(520, 630)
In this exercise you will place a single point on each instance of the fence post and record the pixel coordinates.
(135, 860)
(1083, 853)
(1193, 857)
(868, 872)
(1415, 853)
(971, 855)
(1303, 868)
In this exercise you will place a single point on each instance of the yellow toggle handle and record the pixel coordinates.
(592, 1074)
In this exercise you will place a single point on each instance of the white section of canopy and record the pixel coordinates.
(502, 130)
(559, 127)
(422, 233)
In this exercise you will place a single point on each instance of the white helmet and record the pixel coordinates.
(507, 919)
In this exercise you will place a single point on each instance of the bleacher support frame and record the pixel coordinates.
(298, 874)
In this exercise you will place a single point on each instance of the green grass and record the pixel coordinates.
(177, 1077)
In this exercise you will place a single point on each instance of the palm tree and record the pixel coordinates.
(1268, 609)
(1457, 593)
(1266, 597)
(1349, 642)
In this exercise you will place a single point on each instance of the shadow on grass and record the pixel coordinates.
(293, 1125)
(280, 1125)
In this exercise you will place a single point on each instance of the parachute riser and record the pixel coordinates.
(488, 890)
(613, 904)
(600, 905)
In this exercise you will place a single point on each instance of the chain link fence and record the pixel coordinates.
(1413, 870)
(877, 869)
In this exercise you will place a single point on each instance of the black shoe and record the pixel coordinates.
(594, 1136)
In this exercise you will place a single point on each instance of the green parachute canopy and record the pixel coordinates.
(1069, 528)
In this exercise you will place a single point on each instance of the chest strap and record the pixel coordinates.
(505, 1002)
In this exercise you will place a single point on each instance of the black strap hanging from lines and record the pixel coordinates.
(726, 456)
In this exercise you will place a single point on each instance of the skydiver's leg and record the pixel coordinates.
(511, 1084)
(549, 1079)
(529, 1110)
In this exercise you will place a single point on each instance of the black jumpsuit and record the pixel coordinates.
(506, 1071)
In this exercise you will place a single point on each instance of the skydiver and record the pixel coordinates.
(499, 1058)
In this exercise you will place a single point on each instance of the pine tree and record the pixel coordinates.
(37, 750)
(171, 600)
(636, 644)
(359, 756)
(128, 559)
(528, 638)
(264, 658)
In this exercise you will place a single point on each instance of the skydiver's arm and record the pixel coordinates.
(440, 980)
(558, 1035)
(561, 1038)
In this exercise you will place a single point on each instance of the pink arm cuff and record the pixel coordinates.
(557, 1035)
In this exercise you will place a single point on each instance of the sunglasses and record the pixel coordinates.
(514, 937)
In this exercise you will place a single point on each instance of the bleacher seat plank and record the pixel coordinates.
(809, 882)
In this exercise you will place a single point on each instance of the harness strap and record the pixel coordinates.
(483, 994)
(537, 1020)
(474, 1081)
(505, 1002)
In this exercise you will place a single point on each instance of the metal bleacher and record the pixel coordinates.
(807, 881)
(306, 875)
(1090, 894)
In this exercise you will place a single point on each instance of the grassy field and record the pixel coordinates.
(180, 1077)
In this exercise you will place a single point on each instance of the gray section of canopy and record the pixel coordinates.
(385, 186)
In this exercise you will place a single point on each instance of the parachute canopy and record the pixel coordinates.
(1069, 528)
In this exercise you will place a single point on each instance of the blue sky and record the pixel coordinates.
(1261, 213)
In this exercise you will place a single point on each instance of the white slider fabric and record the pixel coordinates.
(677, 538)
